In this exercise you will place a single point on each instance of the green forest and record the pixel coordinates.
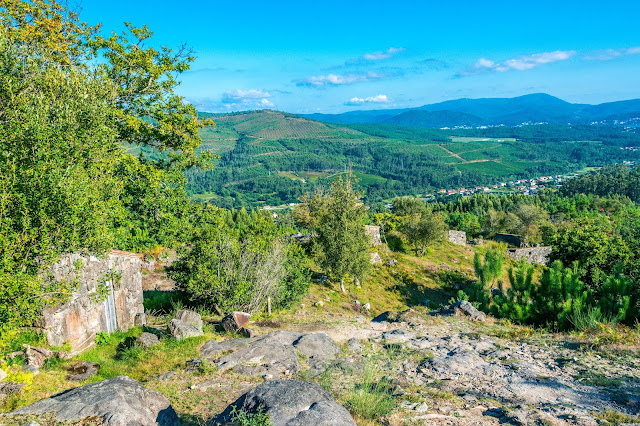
(272, 158)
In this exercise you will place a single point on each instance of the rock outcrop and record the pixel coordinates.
(290, 403)
(273, 355)
(118, 402)
(82, 317)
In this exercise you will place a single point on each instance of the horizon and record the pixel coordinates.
(344, 57)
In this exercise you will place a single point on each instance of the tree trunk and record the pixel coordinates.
(342, 285)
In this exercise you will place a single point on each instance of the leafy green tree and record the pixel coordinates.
(337, 216)
(424, 229)
(69, 99)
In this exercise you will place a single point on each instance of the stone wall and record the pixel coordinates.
(511, 239)
(374, 234)
(531, 254)
(458, 237)
(78, 321)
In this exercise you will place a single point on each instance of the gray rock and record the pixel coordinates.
(83, 370)
(212, 348)
(3, 375)
(189, 317)
(290, 403)
(181, 330)
(319, 348)
(119, 401)
(274, 354)
(147, 340)
(355, 345)
(398, 336)
(469, 310)
(9, 388)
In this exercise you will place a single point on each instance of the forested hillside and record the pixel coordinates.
(270, 158)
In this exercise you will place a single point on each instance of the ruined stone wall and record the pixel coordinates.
(531, 254)
(458, 237)
(374, 234)
(84, 315)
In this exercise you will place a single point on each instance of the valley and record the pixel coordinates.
(271, 158)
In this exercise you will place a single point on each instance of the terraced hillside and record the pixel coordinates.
(270, 157)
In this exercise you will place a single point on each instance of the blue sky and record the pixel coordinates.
(334, 56)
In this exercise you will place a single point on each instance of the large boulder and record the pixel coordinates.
(147, 340)
(290, 403)
(469, 310)
(119, 401)
(272, 355)
(181, 330)
(189, 317)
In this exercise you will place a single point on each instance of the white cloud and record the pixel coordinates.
(338, 80)
(244, 95)
(378, 99)
(609, 54)
(246, 99)
(521, 63)
(378, 56)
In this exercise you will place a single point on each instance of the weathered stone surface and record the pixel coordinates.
(234, 321)
(355, 345)
(272, 355)
(189, 317)
(79, 320)
(181, 330)
(9, 388)
(3, 375)
(373, 232)
(147, 340)
(375, 258)
(458, 237)
(83, 370)
(37, 356)
(119, 401)
(470, 310)
(531, 254)
(290, 403)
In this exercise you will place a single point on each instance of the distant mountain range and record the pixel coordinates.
(536, 108)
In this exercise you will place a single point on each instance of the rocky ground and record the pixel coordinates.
(399, 368)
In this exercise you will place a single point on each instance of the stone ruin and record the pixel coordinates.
(531, 254)
(86, 314)
(458, 237)
(374, 234)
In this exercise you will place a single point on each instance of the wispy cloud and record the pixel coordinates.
(521, 63)
(253, 98)
(609, 54)
(379, 56)
(378, 99)
(340, 79)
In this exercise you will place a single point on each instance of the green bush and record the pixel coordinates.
(237, 260)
